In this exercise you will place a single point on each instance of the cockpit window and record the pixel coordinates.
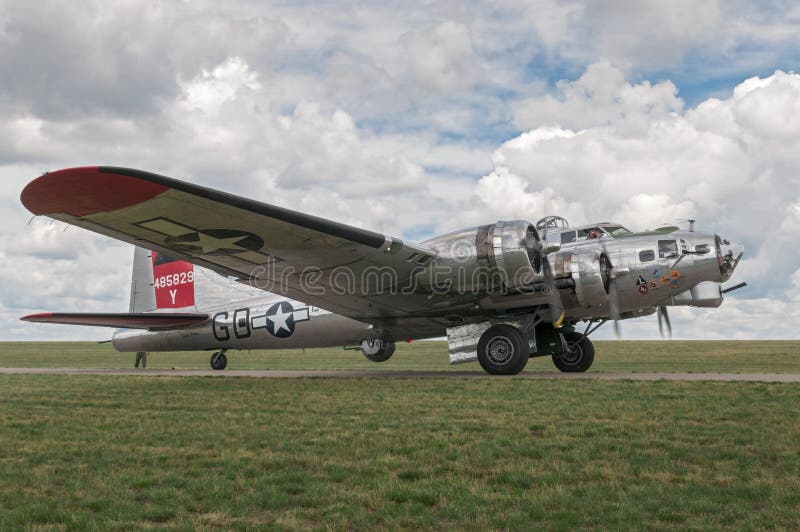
(702, 249)
(667, 249)
(589, 233)
(647, 255)
(616, 230)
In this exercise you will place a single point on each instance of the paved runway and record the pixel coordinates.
(355, 374)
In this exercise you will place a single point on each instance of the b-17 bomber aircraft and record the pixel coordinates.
(217, 272)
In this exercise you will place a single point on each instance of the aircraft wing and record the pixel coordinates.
(344, 269)
(139, 320)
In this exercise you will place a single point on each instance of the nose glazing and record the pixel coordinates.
(728, 256)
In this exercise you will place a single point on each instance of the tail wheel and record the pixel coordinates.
(219, 361)
(503, 350)
(579, 357)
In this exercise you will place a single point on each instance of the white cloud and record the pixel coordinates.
(439, 59)
(504, 195)
(757, 101)
(601, 96)
(655, 210)
(652, 33)
(210, 90)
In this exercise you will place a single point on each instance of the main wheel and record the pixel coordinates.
(219, 360)
(580, 356)
(503, 350)
(377, 350)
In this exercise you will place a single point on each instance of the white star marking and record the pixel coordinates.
(279, 320)
(210, 243)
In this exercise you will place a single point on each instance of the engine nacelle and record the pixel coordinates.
(512, 250)
(589, 270)
(503, 254)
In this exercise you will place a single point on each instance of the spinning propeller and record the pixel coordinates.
(664, 316)
(613, 297)
(553, 298)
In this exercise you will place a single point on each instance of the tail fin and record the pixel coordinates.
(160, 282)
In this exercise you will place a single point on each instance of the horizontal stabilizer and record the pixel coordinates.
(125, 320)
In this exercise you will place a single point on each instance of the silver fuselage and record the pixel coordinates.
(247, 325)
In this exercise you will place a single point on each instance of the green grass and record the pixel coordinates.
(85, 452)
(679, 356)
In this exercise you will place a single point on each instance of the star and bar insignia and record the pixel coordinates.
(211, 242)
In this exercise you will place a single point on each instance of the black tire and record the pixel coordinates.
(503, 350)
(377, 350)
(219, 361)
(580, 356)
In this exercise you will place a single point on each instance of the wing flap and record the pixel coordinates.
(138, 320)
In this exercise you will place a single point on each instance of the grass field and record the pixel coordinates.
(80, 452)
(679, 356)
(130, 452)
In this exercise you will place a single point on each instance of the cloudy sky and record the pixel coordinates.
(412, 119)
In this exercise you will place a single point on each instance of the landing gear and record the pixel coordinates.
(579, 356)
(219, 360)
(377, 350)
(503, 350)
